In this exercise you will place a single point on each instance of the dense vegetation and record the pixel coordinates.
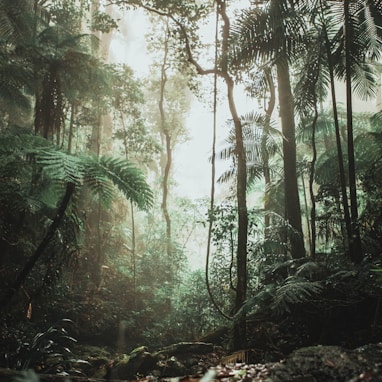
(95, 239)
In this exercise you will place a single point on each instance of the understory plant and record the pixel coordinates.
(50, 351)
(310, 300)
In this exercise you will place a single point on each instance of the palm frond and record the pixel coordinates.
(370, 19)
(267, 33)
(327, 170)
(365, 79)
(312, 78)
(366, 45)
(227, 175)
(369, 149)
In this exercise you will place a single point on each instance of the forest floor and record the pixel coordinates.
(309, 364)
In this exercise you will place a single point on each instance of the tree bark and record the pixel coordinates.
(355, 245)
(239, 338)
(264, 150)
(166, 136)
(341, 167)
(292, 201)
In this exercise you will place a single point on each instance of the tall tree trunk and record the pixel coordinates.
(71, 127)
(341, 167)
(101, 142)
(355, 245)
(241, 188)
(292, 201)
(167, 140)
(134, 256)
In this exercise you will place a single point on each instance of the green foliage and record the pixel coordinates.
(317, 295)
(48, 351)
(131, 133)
(122, 174)
(59, 166)
(260, 137)
(193, 314)
(295, 291)
(35, 174)
(27, 376)
(103, 22)
(66, 13)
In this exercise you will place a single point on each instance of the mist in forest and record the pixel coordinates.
(180, 175)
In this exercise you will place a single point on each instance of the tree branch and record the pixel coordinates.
(200, 70)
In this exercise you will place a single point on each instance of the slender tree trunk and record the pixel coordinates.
(265, 155)
(133, 249)
(71, 127)
(311, 181)
(134, 256)
(28, 267)
(167, 139)
(292, 201)
(341, 167)
(355, 239)
(241, 188)
(242, 236)
(101, 142)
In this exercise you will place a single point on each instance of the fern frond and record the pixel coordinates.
(61, 166)
(22, 144)
(309, 269)
(122, 174)
(257, 303)
(294, 291)
(97, 181)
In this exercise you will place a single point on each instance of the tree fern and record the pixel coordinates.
(56, 178)
(102, 175)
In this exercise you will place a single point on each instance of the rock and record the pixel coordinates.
(329, 363)
(176, 360)
(139, 361)
(184, 358)
(98, 360)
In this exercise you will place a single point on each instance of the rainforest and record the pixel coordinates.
(190, 190)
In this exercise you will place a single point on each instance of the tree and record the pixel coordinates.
(360, 30)
(261, 144)
(180, 14)
(68, 172)
(351, 38)
(270, 34)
